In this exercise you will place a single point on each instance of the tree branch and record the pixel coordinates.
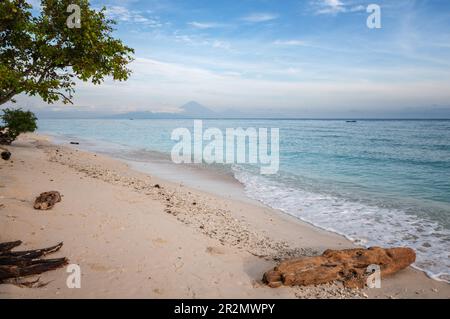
(7, 97)
(65, 98)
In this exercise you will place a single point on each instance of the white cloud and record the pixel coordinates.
(333, 3)
(330, 7)
(204, 25)
(123, 14)
(290, 42)
(260, 17)
(199, 40)
(357, 8)
(221, 45)
(334, 7)
(185, 39)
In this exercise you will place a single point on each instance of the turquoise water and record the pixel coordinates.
(376, 182)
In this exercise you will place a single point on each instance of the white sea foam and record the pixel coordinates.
(364, 224)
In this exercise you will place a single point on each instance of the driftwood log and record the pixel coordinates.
(5, 154)
(47, 200)
(16, 264)
(348, 265)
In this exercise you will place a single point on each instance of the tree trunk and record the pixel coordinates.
(7, 97)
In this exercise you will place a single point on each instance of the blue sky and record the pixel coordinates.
(311, 57)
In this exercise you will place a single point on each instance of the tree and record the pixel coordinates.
(41, 55)
(16, 121)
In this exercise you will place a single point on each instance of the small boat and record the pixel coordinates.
(351, 121)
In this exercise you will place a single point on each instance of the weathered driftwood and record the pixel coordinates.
(348, 265)
(5, 154)
(15, 264)
(6, 247)
(47, 200)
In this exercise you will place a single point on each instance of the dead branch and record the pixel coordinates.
(16, 264)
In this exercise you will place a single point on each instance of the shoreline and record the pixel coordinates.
(248, 236)
(204, 178)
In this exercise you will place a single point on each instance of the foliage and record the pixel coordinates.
(41, 55)
(16, 121)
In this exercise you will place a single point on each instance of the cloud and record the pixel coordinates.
(204, 25)
(200, 40)
(124, 14)
(334, 7)
(289, 42)
(330, 7)
(260, 17)
(357, 8)
(186, 39)
(221, 45)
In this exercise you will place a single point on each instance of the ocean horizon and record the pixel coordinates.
(378, 182)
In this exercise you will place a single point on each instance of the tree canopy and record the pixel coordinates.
(41, 55)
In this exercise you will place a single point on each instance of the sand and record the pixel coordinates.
(139, 236)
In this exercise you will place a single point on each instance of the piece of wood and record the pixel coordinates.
(5, 154)
(6, 247)
(34, 268)
(349, 266)
(25, 258)
(47, 200)
(33, 253)
(17, 264)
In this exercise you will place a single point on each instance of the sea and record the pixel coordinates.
(376, 182)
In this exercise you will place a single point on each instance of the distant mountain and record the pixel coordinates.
(194, 109)
(189, 110)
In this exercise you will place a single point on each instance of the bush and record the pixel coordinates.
(16, 121)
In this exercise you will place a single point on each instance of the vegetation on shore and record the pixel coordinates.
(16, 122)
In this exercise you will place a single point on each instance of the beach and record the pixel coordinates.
(135, 235)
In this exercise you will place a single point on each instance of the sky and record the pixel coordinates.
(293, 57)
